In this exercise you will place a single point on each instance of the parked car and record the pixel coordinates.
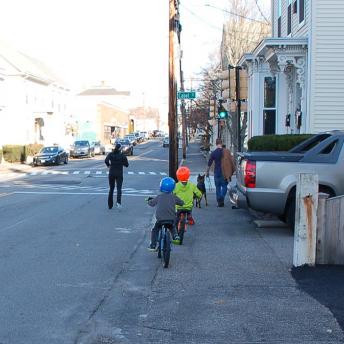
(127, 147)
(166, 141)
(99, 149)
(131, 138)
(108, 148)
(268, 179)
(82, 148)
(50, 155)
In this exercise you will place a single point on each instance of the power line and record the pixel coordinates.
(198, 17)
(261, 13)
(236, 14)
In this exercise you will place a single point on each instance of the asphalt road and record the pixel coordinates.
(62, 250)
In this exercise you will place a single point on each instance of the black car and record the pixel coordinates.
(82, 148)
(127, 147)
(51, 155)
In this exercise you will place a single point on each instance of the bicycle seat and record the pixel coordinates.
(167, 222)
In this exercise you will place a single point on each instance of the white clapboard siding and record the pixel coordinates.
(327, 65)
(297, 29)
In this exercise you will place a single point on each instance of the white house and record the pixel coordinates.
(296, 77)
(34, 103)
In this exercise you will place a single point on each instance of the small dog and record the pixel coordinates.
(202, 188)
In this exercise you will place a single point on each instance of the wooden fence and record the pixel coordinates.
(330, 230)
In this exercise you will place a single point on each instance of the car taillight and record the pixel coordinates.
(250, 174)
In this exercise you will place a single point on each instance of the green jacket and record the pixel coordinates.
(186, 193)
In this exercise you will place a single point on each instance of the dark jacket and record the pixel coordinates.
(116, 161)
(165, 206)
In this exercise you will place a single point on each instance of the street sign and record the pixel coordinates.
(186, 95)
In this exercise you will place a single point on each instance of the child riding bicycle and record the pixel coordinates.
(165, 203)
(186, 191)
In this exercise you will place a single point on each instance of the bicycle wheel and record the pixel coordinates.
(166, 251)
(181, 228)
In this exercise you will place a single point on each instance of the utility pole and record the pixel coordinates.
(182, 108)
(172, 110)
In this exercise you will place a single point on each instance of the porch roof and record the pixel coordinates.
(267, 48)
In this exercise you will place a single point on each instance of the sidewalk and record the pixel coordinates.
(239, 277)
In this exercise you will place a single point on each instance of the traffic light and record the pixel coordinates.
(222, 112)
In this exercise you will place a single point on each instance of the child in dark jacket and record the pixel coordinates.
(165, 210)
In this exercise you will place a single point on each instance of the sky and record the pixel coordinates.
(121, 42)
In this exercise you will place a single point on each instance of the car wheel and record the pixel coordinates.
(58, 160)
(66, 160)
(290, 213)
(132, 152)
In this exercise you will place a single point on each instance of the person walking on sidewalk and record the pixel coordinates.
(223, 171)
(115, 162)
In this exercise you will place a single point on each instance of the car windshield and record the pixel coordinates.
(124, 142)
(81, 143)
(49, 150)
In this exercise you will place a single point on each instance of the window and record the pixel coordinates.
(301, 11)
(269, 92)
(289, 17)
(279, 20)
(269, 111)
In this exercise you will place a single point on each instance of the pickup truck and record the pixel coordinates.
(268, 179)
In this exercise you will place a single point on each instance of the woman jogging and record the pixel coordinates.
(115, 162)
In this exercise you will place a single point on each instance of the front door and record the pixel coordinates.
(269, 122)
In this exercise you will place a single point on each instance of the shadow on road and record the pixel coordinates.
(326, 284)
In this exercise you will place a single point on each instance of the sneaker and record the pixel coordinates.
(119, 205)
(176, 240)
(191, 221)
(152, 248)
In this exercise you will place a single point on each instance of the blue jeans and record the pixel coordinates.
(221, 188)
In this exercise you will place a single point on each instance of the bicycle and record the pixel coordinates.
(165, 242)
(182, 223)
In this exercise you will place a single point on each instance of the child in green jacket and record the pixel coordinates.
(186, 191)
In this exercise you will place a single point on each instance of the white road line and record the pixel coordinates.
(33, 173)
(163, 173)
(73, 193)
(130, 172)
(154, 173)
(87, 172)
(76, 172)
(99, 172)
(142, 173)
(44, 173)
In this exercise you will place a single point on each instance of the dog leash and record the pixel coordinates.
(210, 187)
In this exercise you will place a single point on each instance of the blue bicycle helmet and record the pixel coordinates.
(167, 185)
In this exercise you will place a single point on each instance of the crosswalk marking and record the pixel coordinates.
(99, 173)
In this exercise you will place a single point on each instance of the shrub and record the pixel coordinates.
(19, 153)
(14, 153)
(276, 142)
(32, 148)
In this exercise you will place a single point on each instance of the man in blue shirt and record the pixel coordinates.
(220, 181)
